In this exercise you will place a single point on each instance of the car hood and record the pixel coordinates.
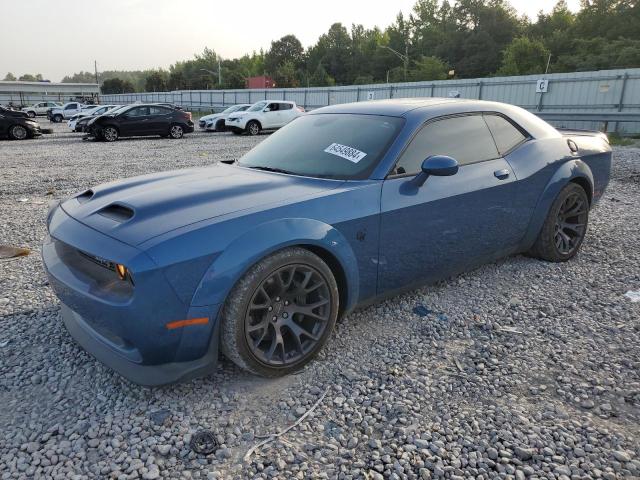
(211, 117)
(139, 208)
(238, 115)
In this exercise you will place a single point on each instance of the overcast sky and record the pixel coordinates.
(59, 37)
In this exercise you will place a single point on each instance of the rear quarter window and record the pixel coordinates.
(506, 135)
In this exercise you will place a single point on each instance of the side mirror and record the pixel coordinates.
(438, 166)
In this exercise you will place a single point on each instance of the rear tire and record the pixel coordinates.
(253, 128)
(18, 132)
(31, 114)
(565, 227)
(57, 118)
(176, 132)
(280, 313)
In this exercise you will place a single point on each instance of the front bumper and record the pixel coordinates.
(189, 128)
(123, 325)
(149, 375)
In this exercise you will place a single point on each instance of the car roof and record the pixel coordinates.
(396, 107)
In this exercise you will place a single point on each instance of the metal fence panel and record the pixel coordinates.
(603, 91)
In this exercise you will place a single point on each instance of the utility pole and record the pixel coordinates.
(219, 72)
(546, 70)
(404, 58)
(95, 67)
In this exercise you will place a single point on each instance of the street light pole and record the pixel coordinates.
(404, 58)
(218, 73)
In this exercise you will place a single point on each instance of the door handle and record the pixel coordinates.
(501, 174)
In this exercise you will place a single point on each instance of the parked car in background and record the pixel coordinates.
(341, 207)
(140, 120)
(17, 125)
(40, 108)
(66, 111)
(94, 111)
(215, 121)
(264, 115)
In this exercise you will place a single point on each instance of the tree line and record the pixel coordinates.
(437, 40)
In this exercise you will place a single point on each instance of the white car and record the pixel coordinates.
(215, 121)
(89, 112)
(68, 110)
(264, 115)
(40, 108)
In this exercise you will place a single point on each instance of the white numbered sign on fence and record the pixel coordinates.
(542, 85)
(371, 95)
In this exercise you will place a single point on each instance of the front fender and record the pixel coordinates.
(572, 170)
(259, 242)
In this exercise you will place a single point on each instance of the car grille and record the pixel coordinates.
(202, 123)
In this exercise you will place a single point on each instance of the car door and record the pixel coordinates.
(449, 224)
(132, 122)
(70, 110)
(159, 120)
(286, 113)
(4, 125)
(271, 116)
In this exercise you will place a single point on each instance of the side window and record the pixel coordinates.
(71, 106)
(273, 107)
(506, 135)
(159, 110)
(466, 138)
(286, 106)
(138, 112)
(242, 109)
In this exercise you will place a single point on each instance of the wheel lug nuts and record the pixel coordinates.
(286, 302)
(270, 308)
(285, 315)
(274, 318)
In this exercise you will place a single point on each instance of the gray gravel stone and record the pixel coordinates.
(458, 393)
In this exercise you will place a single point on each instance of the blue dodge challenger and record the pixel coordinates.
(345, 205)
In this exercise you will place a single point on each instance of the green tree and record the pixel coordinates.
(10, 77)
(321, 78)
(428, 68)
(524, 56)
(287, 50)
(156, 81)
(116, 85)
(28, 77)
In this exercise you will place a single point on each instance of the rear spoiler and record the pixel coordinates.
(572, 132)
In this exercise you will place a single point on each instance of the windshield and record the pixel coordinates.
(258, 106)
(341, 146)
(118, 109)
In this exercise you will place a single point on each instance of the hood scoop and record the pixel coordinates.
(85, 196)
(116, 212)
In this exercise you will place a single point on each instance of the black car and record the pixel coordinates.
(140, 120)
(17, 125)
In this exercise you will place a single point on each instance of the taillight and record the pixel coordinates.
(301, 109)
(187, 115)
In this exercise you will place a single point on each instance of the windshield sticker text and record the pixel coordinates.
(352, 154)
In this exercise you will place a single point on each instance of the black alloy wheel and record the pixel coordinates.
(287, 315)
(571, 223)
(565, 226)
(280, 313)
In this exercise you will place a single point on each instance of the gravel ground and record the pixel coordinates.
(520, 369)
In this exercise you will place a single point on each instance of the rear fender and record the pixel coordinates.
(572, 171)
(252, 246)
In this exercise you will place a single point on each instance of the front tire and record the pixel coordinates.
(57, 118)
(18, 132)
(253, 128)
(280, 313)
(109, 134)
(565, 227)
(31, 114)
(176, 132)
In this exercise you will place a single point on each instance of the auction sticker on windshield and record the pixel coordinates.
(352, 154)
